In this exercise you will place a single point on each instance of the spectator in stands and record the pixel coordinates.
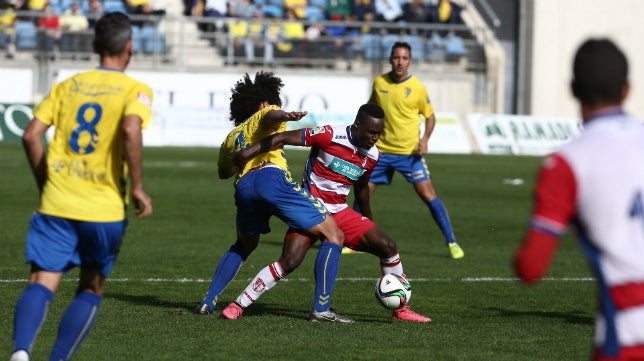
(258, 37)
(96, 10)
(446, 12)
(297, 6)
(142, 9)
(359, 8)
(49, 30)
(342, 43)
(7, 32)
(388, 10)
(242, 9)
(31, 5)
(216, 9)
(292, 33)
(338, 7)
(417, 11)
(74, 25)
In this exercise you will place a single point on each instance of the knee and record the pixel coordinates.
(243, 247)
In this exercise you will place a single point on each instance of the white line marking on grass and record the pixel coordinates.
(179, 164)
(341, 279)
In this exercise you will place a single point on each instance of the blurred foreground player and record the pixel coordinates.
(340, 157)
(596, 182)
(98, 115)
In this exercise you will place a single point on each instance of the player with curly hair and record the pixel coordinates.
(264, 187)
(341, 158)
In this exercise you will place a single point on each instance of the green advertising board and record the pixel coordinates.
(13, 120)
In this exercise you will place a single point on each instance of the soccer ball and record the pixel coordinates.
(393, 291)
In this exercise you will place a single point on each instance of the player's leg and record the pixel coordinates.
(327, 262)
(80, 315)
(226, 270)
(31, 309)
(50, 249)
(301, 211)
(98, 247)
(293, 252)
(416, 172)
(372, 239)
(253, 214)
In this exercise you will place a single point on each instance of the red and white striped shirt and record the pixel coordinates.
(335, 163)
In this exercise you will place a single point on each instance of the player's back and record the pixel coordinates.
(607, 163)
(251, 131)
(86, 176)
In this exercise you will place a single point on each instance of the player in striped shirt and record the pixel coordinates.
(341, 157)
(596, 182)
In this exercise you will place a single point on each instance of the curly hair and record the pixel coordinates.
(248, 95)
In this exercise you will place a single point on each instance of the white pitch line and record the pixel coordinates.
(340, 279)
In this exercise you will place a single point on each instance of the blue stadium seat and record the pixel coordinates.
(371, 46)
(273, 11)
(26, 35)
(454, 46)
(318, 3)
(153, 40)
(314, 13)
(114, 5)
(137, 39)
(387, 42)
(417, 46)
(279, 3)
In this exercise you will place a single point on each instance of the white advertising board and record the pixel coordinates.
(521, 135)
(191, 109)
(17, 85)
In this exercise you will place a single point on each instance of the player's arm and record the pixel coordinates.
(279, 115)
(133, 140)
(34, 146)
(554, 207)
(227, 172)
(278, 140)
(430, 123)
(361, 192)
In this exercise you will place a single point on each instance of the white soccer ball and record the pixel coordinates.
(393, 291)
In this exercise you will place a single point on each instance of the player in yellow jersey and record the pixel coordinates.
(98, 117)
(403, 98)
(264, 188)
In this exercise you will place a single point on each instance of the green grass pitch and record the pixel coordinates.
(479, 310)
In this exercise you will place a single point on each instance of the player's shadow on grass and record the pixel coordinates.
(259, 309)
(574, 317)
(153, 301)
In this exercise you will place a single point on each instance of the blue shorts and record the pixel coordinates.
(413, 167)
(266, 192)
(58, 244)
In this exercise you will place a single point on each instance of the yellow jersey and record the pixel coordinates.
(86, 169)
(248, 133)
(402, 103)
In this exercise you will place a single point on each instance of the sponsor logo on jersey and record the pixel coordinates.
(340, 137)
(346, 169)
(144, 98)
(317, 130)
(407, 92)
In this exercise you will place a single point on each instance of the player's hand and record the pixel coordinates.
(142, 203)
(421, 148)
(295, 115)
